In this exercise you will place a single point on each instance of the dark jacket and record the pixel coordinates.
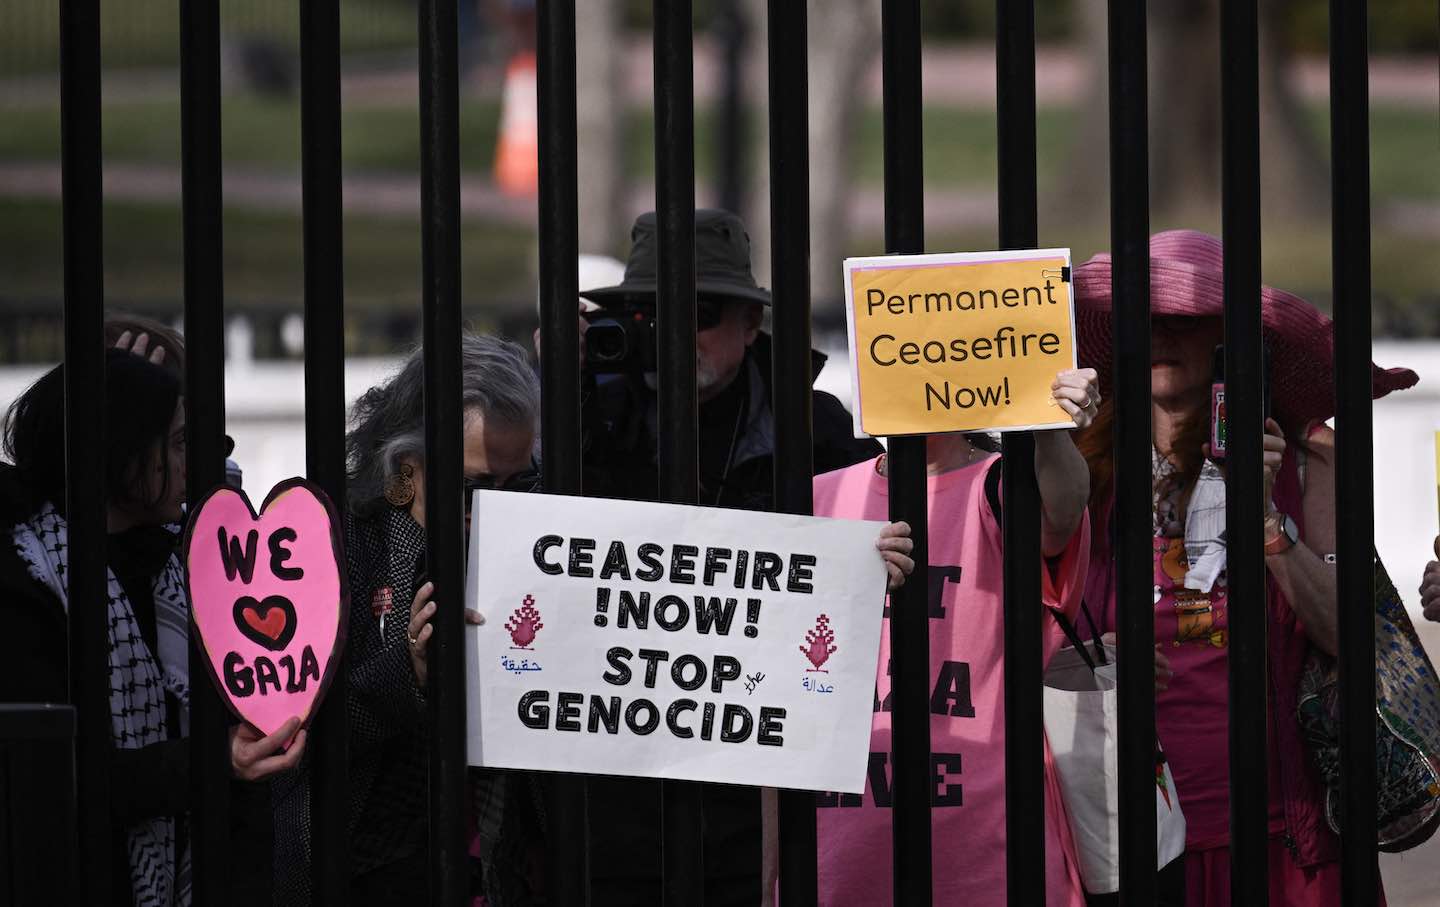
(145, 782)
(737, 467)
(620, 437)
(387, 741)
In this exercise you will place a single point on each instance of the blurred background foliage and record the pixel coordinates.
(381, 148)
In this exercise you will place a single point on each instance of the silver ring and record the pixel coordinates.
(414, 641)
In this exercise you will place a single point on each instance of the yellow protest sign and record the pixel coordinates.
(959, 342)
(1437, 467)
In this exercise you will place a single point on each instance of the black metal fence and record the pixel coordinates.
(1015, 103)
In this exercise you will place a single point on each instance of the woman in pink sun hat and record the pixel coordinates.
(1192, 626)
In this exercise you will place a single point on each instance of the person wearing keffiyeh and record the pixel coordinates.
(146, 614)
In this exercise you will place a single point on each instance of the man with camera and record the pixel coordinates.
(736, 468)
(732, 363)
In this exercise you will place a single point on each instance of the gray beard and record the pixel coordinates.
(707, 379)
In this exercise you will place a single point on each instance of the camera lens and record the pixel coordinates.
(605, 341)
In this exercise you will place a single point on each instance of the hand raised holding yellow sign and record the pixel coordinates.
(959, 342)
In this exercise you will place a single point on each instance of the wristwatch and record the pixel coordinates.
(1281, 533)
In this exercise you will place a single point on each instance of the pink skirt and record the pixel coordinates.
(1207, 880)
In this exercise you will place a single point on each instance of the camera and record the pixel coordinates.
(621, 340)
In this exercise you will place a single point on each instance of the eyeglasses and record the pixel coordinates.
(525, 480)
(708, 314)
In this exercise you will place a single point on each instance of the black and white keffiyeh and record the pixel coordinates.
(138, 685)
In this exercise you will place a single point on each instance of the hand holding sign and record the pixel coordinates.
(253, 757)
(1430, 587)
(895, 545)
(420, 630)
(1077, 391)
(268, 600)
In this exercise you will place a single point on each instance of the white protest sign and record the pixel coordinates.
(655, 640)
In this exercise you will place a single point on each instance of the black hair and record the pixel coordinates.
(140, 401)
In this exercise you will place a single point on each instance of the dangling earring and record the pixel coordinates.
(400, 489)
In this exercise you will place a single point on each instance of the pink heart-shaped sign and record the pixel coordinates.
(269, 599)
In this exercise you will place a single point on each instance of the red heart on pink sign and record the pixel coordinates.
(269, 599)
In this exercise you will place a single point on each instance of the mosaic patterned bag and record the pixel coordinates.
(1407, 726)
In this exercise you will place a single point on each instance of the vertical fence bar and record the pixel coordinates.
(1130, 389)
(1354, 453)
(790, 320)
(325, 401)
(444, 508)
(682, 858)
(202, 210)
(85, 432)
(567, 821)
(732, 29)
(1244, 507)
(911, 783)
(1024, 662)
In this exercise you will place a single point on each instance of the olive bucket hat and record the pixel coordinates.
(722, 262)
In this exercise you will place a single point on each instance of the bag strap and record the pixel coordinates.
(1100, 655)
(1070, 633)
(992, 491)
(992, 495)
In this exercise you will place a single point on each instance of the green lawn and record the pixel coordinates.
(263, 263)
(959, 143)
(1405, 271)
(255, 132)
(146, 33)
(382, 266)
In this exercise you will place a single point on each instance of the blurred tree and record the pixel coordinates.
(844, 44)
(1184, 91)
(1396, 26)
(600, 117)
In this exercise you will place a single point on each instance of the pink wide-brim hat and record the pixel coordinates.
(1187, 279)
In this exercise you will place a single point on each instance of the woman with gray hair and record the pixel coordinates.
(391, 601)
(385, 545)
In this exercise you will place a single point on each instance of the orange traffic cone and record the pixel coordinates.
(517, 163)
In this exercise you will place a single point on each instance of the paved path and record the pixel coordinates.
(958, 74)
(400, 195)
